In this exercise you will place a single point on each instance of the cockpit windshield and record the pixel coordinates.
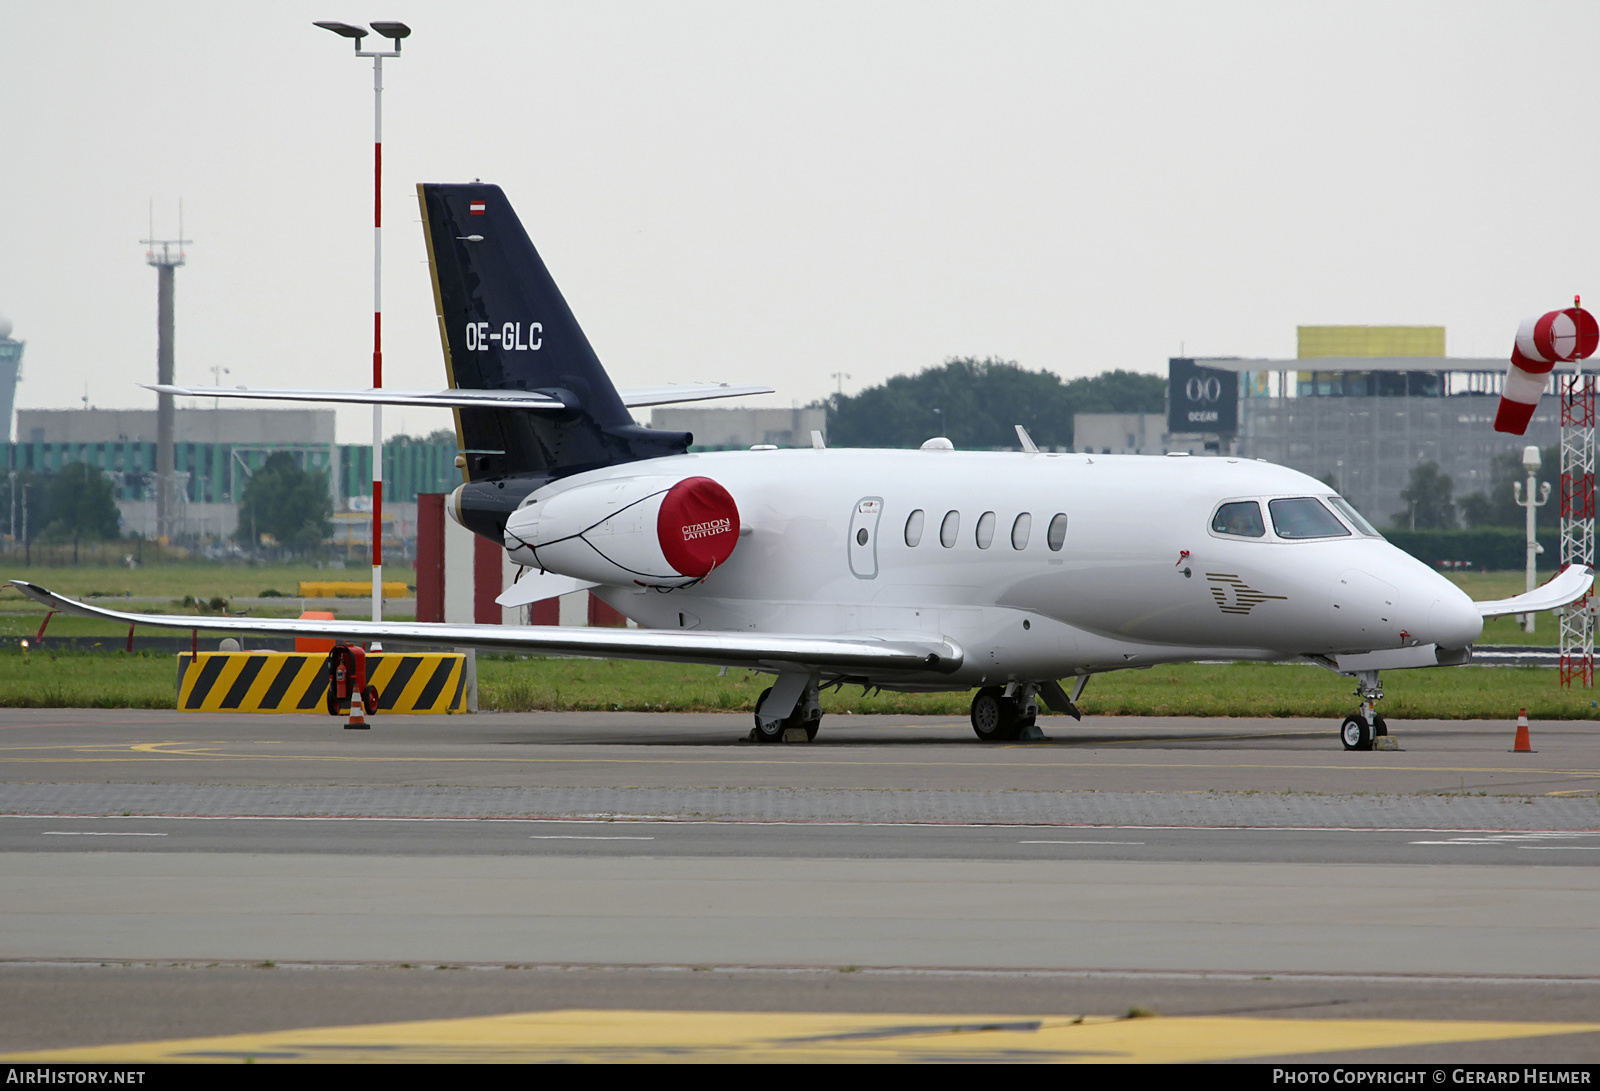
(1304, 517)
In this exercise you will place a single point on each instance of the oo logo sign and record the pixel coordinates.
(1203, 390)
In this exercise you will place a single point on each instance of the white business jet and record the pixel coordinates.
(926, 570)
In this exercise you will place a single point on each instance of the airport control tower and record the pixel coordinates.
(10, 371)
(165, 255)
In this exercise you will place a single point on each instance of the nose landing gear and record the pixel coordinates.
(1359, 731)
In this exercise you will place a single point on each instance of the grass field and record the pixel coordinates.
(117, 680)
(200, 581)
(204, 581)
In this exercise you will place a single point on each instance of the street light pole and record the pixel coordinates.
(1530, 462)
(395, 32)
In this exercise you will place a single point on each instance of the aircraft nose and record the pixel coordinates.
(1453, 620)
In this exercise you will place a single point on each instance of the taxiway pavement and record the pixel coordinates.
(1201, 866)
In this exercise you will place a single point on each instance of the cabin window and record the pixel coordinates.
(949, 529)
(1304, 517)
(1056, 536)
(1241, 518)
(986, 530)
(914, 527)
(1019, 531)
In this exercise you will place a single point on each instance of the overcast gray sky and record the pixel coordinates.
(774, 192)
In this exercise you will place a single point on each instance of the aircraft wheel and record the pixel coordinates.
(1355, 733)
(994, 716)
(1379, 727)
(763, 734)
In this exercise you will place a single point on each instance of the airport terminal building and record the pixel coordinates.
(1360, 406)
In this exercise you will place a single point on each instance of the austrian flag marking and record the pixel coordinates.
(477, 208)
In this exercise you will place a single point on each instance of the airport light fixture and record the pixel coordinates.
(1530, 463)
(396, 33)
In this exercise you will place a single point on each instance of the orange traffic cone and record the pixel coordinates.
(1522, 745)
(357, 720)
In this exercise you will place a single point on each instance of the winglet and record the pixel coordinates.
(1569, 585)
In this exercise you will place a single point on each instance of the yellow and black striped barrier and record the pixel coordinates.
(416, 682)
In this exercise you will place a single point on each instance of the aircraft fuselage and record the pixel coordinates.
(831, 543)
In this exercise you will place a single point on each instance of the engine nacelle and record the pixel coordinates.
(655, 531)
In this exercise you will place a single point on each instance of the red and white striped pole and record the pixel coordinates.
(395, 32)
(377, 338)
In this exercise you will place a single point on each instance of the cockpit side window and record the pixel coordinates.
(1242, 517)
(1304, 517)
(1352, 516)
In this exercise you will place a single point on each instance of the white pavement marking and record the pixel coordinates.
(96, 833)
(582, 837)
(1516, 840)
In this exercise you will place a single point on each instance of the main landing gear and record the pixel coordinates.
(799, 725)
(1359, 731)
(1004, 713)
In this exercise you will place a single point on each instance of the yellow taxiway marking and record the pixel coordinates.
(702, 1036)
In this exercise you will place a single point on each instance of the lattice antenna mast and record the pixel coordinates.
(1577, 518)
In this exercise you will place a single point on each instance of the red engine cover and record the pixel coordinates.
(698, 526)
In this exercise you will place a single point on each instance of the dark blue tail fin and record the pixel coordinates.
(505, 326)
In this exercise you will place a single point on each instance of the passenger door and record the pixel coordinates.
(864, 537)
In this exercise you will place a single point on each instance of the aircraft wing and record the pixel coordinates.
(771, 650)
(1569, 585)
(632, 397)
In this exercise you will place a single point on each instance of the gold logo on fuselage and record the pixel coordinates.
(1234, 596)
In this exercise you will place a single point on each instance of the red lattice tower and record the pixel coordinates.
(1577, 520)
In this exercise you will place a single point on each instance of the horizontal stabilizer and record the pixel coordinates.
(534, 586)
(771, 651)
(634, 398)
(637, 397)
(443, 399)
(1570, 585)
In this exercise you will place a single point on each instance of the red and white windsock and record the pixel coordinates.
(1542, 342)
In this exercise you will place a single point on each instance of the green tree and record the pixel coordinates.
(1497, 505)
(78, 503)
(1429, 497)
(285, 501)
(976, 403)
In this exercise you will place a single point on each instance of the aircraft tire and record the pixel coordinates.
(1379, 727)
(1355, 733)
(794, 719)
(994, 716)
(761, 735)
